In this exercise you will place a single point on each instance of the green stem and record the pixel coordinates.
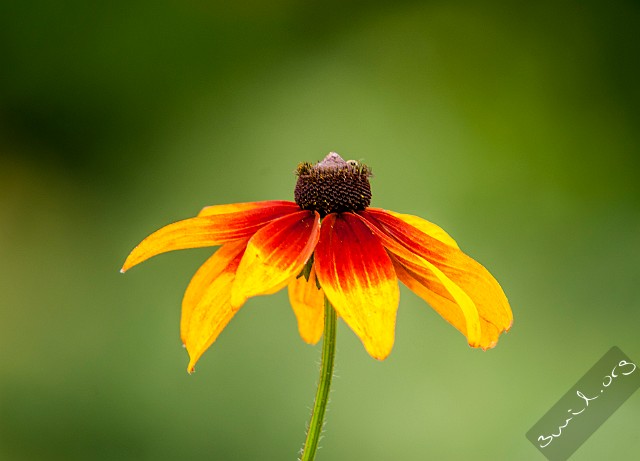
(326, 373)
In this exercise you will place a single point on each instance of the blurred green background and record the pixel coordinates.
(514, 127)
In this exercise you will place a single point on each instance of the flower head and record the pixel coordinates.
(329, 242)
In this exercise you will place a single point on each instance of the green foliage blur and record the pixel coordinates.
(513, 126)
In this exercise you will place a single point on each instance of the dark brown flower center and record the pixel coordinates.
(333, 185)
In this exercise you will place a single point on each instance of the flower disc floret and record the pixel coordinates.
(333, 185)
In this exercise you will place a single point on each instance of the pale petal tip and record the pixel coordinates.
(126, 266)
(485, 347)
(490, 346)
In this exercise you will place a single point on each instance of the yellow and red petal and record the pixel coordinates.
(307, 301)
(450, 310)
(423, 225)
(276, 254)
(206, 307)
(235, 223)
(358, 278)
(489, 313)
(438, 282)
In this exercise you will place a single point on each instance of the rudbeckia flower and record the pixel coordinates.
(329, 242)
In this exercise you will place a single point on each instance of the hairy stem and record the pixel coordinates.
(324, 384)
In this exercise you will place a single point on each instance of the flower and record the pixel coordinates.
(329, 242)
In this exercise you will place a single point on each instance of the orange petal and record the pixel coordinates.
(275, 255)
(307, 302)
(444, 286)
(206, 309)
(423, 225)
(489, 313)
(236, 207)
(443, 305)
(357, 276)
(209, 230)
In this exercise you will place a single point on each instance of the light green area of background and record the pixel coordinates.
(514, 127)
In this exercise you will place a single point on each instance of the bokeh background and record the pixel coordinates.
(514, 127)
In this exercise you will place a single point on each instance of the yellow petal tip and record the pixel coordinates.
(490, 346)
(237, 300)
(379, 354)
(380, 358)
(126, 266)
